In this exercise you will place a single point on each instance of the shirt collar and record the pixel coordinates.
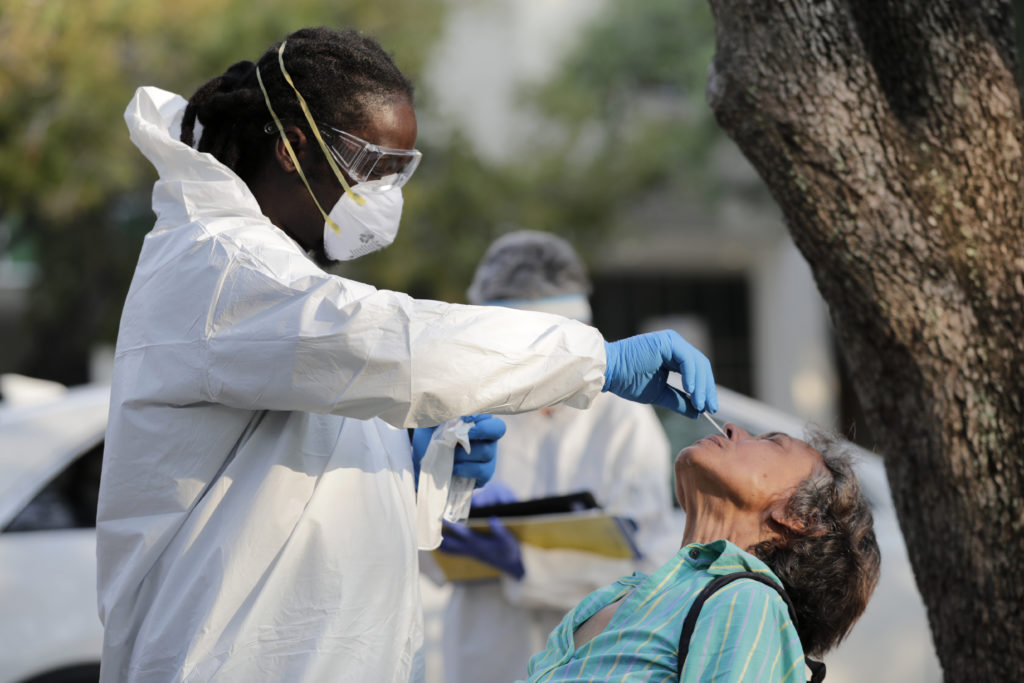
(722, 557)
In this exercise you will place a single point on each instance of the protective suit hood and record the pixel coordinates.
(192, 184)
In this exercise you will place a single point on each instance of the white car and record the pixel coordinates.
(50, 457)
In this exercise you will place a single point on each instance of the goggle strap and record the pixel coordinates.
(316, 130)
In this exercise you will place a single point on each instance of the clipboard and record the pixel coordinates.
(589, 529)
(572, 502)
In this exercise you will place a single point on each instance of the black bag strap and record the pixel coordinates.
(817, 668)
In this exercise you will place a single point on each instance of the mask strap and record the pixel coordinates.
(291, 152)
(312, 124)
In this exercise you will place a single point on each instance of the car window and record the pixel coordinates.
(68, 501)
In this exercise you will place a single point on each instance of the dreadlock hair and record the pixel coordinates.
(341, 74)
(830, 567)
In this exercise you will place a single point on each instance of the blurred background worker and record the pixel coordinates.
(616, 449)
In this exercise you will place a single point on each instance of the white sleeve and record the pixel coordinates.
(267, 329)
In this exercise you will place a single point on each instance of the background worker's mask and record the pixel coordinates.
(359, 223)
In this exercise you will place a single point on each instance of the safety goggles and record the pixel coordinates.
(365, 161)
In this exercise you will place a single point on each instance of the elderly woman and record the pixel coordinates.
(772, 505)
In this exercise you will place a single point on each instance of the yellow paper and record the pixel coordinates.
(592, 531)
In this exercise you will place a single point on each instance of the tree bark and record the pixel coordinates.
(891, 134)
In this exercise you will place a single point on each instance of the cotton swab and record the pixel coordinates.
(709, 418)
(715, 423)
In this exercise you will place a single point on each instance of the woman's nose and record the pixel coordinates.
(735, 432)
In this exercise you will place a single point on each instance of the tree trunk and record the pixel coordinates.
(891, 134)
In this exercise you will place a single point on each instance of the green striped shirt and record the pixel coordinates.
(743, 633)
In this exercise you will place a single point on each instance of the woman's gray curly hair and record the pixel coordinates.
(831, 566)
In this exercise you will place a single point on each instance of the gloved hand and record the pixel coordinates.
(495, 493)
(638, 367)
(479, 463)
(499, 548)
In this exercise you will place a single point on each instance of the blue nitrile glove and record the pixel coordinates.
(499, 548)
(638, 367)
(479, 463)
(494, 493)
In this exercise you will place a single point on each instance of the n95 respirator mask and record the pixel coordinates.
(354, 229)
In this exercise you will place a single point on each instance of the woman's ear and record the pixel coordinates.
(786, 524)
(783, 522)
(298, 140)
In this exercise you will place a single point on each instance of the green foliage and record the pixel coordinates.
(67, 70)
(627, 118)
(640, 47)
(638, 78)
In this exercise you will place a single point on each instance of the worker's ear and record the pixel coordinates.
(299, 143)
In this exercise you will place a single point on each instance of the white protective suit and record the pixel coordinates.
(618, 451)
(256, 515)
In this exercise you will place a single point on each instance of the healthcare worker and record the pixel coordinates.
(616, 449)
(257, 508)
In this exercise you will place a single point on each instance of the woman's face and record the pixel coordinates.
(749, 472)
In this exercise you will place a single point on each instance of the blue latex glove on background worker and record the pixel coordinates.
(499, 548)
(479, 463)
(495, 493)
